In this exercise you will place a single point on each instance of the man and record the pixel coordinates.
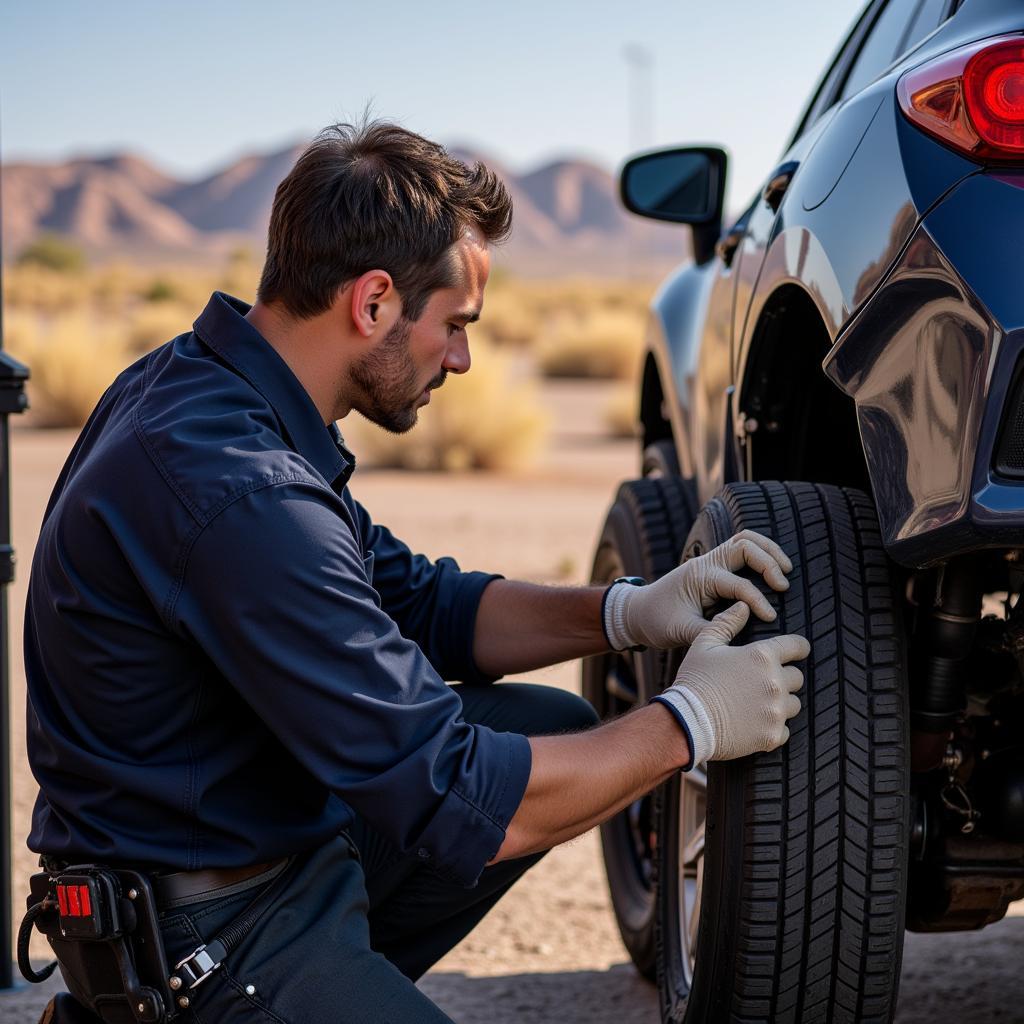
(235, 677)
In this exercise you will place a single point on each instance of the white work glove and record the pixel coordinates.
(734, 701)
(670, 611)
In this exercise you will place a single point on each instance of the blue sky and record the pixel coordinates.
(192, 85)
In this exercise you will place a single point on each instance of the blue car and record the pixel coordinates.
(842, 368)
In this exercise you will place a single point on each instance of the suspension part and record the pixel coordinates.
(948, 615)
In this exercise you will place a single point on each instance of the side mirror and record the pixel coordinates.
(683, 186)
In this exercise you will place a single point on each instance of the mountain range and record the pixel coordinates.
(568, 218)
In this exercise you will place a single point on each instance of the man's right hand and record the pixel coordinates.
(736, 700)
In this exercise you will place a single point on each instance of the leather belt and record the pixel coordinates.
(183, 887)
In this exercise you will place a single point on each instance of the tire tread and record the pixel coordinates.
(824, 828)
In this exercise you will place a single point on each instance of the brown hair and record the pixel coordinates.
(375, 196)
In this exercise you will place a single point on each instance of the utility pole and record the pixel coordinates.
(640, 65)
(640, 62)
(12, 400)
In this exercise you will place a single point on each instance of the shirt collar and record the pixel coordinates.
(222, 326)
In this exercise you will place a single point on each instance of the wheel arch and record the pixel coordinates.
(794, 423)
(654, 424)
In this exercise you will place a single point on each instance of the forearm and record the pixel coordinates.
(523, 626)
(581, 780)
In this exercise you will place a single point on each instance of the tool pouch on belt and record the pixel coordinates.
(102, 925)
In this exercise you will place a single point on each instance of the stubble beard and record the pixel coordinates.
(386, 381)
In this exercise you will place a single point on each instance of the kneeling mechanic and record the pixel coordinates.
(237, 680)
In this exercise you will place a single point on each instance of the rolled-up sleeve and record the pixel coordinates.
(434, 602)
(275, 591)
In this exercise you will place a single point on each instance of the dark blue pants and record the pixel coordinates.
(357, 922)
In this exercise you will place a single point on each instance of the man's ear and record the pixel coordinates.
(375, 302)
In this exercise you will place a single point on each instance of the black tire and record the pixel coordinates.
(804, 861)
(643, 535)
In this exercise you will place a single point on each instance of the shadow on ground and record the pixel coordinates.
(617, 995)
(971, 978)
(966, 977)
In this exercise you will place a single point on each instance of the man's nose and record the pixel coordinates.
(456, 359)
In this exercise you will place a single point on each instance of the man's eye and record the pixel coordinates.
(452, 328)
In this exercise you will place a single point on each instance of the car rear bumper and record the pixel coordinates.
(930, 360)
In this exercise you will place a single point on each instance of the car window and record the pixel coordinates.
(929, 16)
(881, 45)
(824, 95)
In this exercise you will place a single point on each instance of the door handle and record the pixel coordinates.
(778, 183)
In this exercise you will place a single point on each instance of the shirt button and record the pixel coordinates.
(423, 853)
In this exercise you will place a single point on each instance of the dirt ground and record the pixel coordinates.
(549, 951)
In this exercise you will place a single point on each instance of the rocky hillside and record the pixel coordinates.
(568, 217)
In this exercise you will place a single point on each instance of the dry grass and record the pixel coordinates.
(544, 316)
(605, 343)
(73, 358)
(489, 419)
(151, 325)
(77, 331)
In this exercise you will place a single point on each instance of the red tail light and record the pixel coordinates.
(972, 99)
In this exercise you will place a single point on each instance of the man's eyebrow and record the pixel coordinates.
(469, 316)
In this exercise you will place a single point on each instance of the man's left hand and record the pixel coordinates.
(670, 611)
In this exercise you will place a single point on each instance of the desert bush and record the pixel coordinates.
(113, 288)
(72, 359)
(30, 286)
(152, 325)
(160, 289)
(486, 420)
(96, 321)
(509, 318)
(523, 313)
(191, 288)
(603, 344)
(241, 274)
(54, 253)
(621, 412)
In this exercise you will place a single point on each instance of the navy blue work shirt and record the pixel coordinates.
(226, 659)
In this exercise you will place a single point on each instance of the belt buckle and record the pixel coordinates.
(196, 968)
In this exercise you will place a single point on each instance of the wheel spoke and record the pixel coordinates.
(620, 682)
(693, 852)
(690, 864)
(696, 779)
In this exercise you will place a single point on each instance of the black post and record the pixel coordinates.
(12, 400)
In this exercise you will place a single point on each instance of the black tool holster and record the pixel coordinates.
(102, 925)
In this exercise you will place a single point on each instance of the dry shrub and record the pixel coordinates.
(153, 324)
(117, 289)
(241, 275)
(487, 419)
(30, 286)
(527, 313)
(113, 288)
(578, 296)
(606, 343)
(78, 330)
(73, 359)
(187, 288)
(509, 318)
(621, 412)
